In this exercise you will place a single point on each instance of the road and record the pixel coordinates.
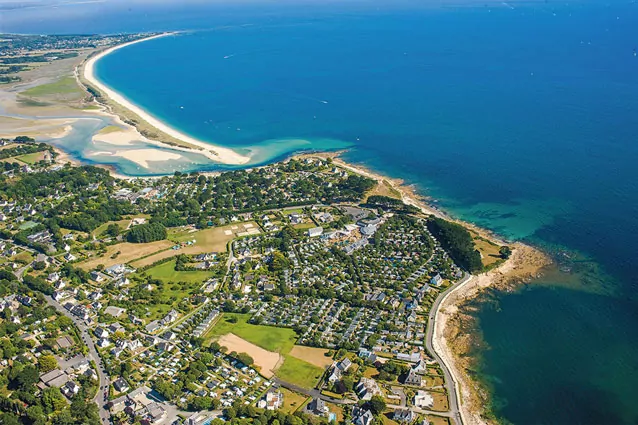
(450, 383)
(314, 393)
(103, 379)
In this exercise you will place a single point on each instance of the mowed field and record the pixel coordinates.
(312, 355)
(267, 361)
(31, 158)
(279, 341)
(209, 240)
(127, 253)
(167, 273)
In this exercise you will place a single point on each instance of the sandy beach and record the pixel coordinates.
(142, 156)
(215, 153)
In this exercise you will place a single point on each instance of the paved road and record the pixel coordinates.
(103, 379)
(314, 393)
(450, 383)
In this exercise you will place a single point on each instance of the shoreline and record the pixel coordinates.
(453, 344)
(215, 153)
(525, 263)
(469, 394)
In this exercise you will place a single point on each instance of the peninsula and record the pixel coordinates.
(306, 291)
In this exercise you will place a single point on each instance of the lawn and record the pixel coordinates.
(278, 340)
(66, 85)
(298, 372)
(292, 401)
(167, 273)
(24, 257)
(31, 158)
(171, 294)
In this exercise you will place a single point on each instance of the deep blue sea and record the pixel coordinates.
(521, 117)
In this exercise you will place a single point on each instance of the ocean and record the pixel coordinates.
(517, 116)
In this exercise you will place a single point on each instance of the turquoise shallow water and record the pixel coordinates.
(520, 117)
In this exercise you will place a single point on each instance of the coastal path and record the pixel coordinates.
(451, 383)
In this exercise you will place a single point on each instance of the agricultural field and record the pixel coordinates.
(125, 252)
(208, 240)
(312, 355)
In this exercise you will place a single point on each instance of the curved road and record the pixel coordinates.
(451, 384)
(103, 379)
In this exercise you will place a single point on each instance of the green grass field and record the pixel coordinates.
(31, 158)
(66, 85)
(167, 273)
(299, 372)
(278, 340)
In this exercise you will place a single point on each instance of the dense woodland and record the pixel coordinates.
(458, 242)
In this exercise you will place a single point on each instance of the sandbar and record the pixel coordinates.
(142, 156)
(215, 153)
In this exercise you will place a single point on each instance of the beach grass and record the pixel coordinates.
(109, 129)
(63, 86)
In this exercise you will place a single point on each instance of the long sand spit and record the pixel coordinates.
(215, 153)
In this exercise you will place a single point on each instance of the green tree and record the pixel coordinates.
(47, 363)
(505, 252)
(376, 405)
(113, 230)
(53, 400)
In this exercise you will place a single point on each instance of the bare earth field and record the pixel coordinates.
(312, 355)
(267, 361)
(127, 252)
